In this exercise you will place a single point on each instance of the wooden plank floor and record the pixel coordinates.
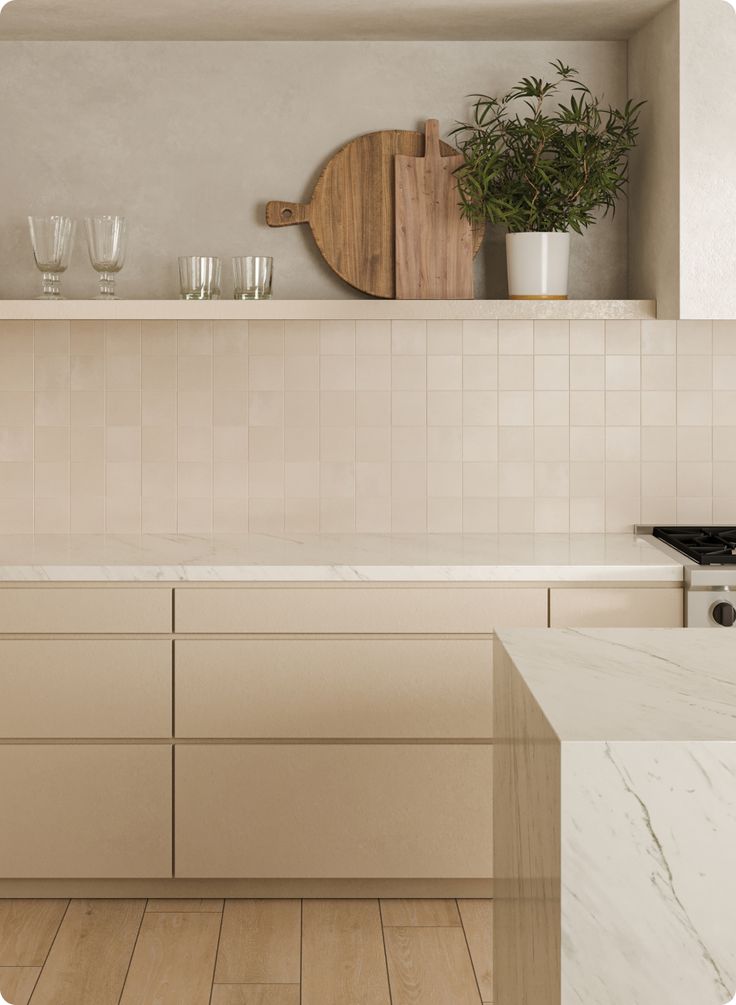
(246, 952)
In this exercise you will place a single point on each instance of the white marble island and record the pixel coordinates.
(615, 817)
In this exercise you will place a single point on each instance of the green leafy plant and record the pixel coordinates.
(533, 168)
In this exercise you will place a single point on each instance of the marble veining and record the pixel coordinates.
(335, 558)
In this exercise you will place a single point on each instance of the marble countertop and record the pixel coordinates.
(336, 558)
(630, 684)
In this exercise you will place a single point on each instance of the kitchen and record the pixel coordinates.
(258, 556)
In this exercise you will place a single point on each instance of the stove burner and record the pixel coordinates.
(704, 545)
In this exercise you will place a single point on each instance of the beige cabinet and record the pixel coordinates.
(93, 811)
(334, 688)
(384, 811)
(625, 607)
(72, 610)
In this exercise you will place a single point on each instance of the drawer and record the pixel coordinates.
(82, 611)
(303, 811)
(83, 688)
(358, 610)
(334, 688)
(85, 812)
(616, 608)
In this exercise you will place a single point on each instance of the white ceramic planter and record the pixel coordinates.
(538, 265)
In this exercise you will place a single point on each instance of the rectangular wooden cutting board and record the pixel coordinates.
(434, 243)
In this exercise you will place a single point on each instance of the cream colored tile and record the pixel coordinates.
(408, 516)
(723, 510)
(516, 338)
(658, 338)
(373, 338)
(480, 338)
(16, 516)
(230, 516)
(516, 443)
(480, 480)
(409, 480)
(445, 373)
(337, 338)
(695, 479)
(123, 479)
(51, 338)
(194, 516)
(230, 481)
(724, 338)
(551, 373)
(587, 516)
(480, 516)
(623, 338)
(51, 408)
(158, 338)
(266, 443)
(516, 479)
(695, 373)
(551, 338)
(87, 444)
(16, 337)
(194, 373)
(51, 516)
(302, 408)
(658, 510)
(724, 373)
(122, 408)
(373, 443)
(301, 443)
(266, 373)
(302, 479)
(373, 373)
(51, 372)
(408, 373)
(623, 373)
(266, 479)
(87, 514)
(230, 373)
(159, 480)
(301, 373)
(123, 443)
(337, 408)
(587, 373)
(479, 443)
(230, 443)
(336, 516)
(409, 408)
(372, 516)
(444, 516)
(409, 443)
(694, 443)
(194, 338)
(16, 480)
(444, 408)
(266, 408)
(552, 443)
(159, 516)
(658, 443)
(301, 338)
(266, 516)
(194, 443)
(623, 443)
(301, 516)
(658, 408)
(266, 338)
(552, 479)
(694, 408)
(515, 516)
(372, 480)
(230, 338)
(480, 408)
(445, 480)
(373, 408)
(659, 478)
(480, 373)
(658, 373)
(16, 371)
(122, 338)
(515, 408)
(588, 480)
(587, 443)
(194, 479)
(51, 443)
(551, 516)
(408, 338)
(587, 338)
(230, 408)
(694, 338)
(159, 408)
(724, 442)
(87, 373)
(551, 408)
(123, 372)
(516, 373)
(622, 515)
(444, 338)
(337, 480)
(587, 408)
(694, 511)
(623, 408)
(337, 373)
(623, 480)
(17, 407)
(337, 443)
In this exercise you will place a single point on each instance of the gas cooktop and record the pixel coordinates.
(704, 545)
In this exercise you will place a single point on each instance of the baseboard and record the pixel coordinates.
(246, 888)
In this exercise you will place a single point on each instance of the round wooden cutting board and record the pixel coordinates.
(351, 213)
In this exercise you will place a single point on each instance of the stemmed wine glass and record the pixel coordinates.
(106, 240)
(52, 238)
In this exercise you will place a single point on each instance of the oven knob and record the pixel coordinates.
(724, 614)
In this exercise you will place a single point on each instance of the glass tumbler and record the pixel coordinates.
(199, 277)
(52, 238)
(106, 241)
(252, 275)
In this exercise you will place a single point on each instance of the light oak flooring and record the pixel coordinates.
(245, 952)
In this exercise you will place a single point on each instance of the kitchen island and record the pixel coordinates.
(615, 817)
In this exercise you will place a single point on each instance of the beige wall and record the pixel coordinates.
(190, 141)
(370, 426)
(654, 219)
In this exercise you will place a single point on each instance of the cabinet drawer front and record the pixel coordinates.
(85, 812)
(359, 610)
(334, 688)
(617, 608)
(333, 811)
(64, 688)
(82, 611)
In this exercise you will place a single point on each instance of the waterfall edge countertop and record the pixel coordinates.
(469, 558)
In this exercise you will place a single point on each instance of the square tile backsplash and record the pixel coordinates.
(341, 426)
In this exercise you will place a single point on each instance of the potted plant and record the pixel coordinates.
(543, 172)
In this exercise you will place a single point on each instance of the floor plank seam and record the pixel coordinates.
(301, 950)
(51, 946)
(472, 960)
(385, 952)
(132, 952)
(217, 951)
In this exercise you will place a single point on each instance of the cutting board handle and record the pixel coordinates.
(284, 214)
(432, 140)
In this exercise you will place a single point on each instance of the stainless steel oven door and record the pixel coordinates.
(710, 607)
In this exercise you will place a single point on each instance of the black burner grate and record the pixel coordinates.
(704, 545)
